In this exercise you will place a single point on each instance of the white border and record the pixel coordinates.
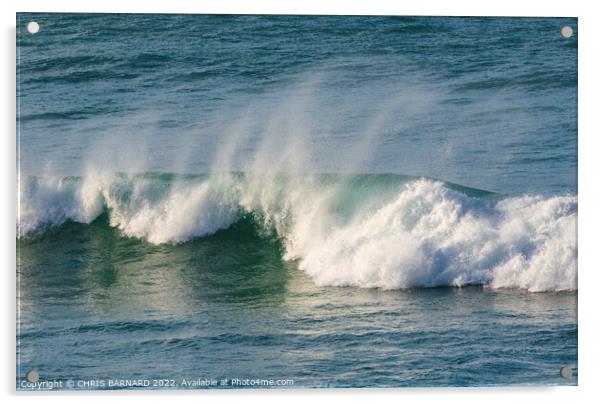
(345, 7)
(590, 203)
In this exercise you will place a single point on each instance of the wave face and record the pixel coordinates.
(375, 231)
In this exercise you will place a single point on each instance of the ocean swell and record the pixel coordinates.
(380, 231)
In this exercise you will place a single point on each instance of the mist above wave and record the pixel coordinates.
(345, 230)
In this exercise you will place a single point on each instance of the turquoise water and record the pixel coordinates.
(329, 201)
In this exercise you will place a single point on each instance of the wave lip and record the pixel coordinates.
(380, 231)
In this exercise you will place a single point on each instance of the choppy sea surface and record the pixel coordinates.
(317, 201)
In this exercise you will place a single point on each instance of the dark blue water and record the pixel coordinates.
(278, 271)
(96, 306)
(484, 102)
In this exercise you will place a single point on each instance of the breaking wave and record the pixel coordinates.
(383, 231)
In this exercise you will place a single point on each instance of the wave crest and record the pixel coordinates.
(432, 236)
(364, 231)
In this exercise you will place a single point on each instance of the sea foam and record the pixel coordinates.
(342, 232)
(432, 236)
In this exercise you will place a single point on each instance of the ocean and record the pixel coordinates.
(221, 201)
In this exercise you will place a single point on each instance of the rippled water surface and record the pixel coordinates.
(333, 201)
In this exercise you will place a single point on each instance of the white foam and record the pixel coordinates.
(50, 201)
(432, 236)
(185, 212)
(426, 235)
